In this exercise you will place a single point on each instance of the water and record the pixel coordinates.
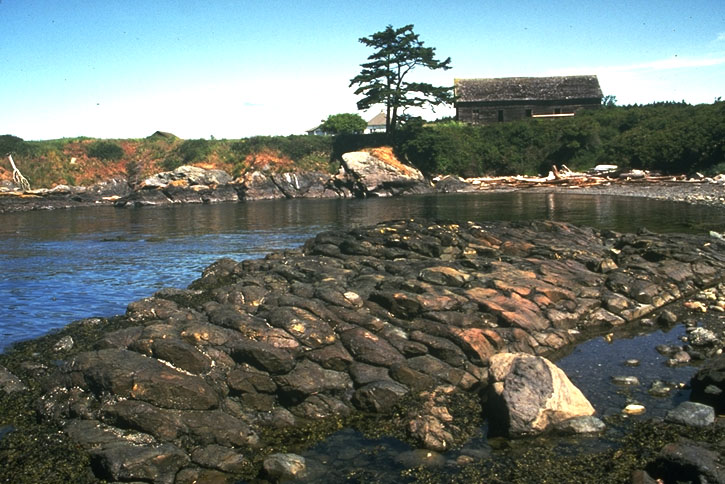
(63, 265)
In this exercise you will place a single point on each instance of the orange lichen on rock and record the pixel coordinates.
(386, 155)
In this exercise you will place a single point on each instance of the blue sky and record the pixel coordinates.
(232, 69)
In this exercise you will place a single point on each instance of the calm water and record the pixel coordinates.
(59, 266)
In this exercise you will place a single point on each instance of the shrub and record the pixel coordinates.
(105, 150)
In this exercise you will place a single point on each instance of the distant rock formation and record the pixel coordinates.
(378, 172)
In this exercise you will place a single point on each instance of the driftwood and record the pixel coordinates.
(563, 176)
(18, 177)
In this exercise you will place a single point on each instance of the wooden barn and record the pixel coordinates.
(487, 101)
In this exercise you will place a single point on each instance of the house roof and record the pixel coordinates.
(379, 120)
(527, 88)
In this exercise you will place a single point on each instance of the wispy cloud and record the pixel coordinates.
(720, 37)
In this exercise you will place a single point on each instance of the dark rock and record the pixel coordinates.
(686, 461)
(125, 461)
(285, 466)
(625, 380)
(263, 356)
(308, 378)
(362, 373)
(369, 348)
(708, 384)
(667, 317)
(379, 396)
(660, 388)
(220, 458)
(586, 424)
(130, 375)
(9, 383)
(691, 413)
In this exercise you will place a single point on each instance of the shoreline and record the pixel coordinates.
(706, 192)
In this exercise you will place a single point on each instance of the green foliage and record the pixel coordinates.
(666, 137)
(294, 147)
(188, 152)
(382, 80)
(10, 144)
(344, 123)
(105, 150)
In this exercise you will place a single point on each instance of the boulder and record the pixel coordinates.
(528, 395)
(379, 173)
(691, 413)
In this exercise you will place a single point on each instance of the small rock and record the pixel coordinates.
(696, 306)
(284, 466)
(679, 358)
(634, 409)
(581, 425)
(464, 460)
(631, 362)
(641, 477)
(691, 413)
(10, 383)
(667, 317)
(660, 388)
(667, 350)
(64, 344)
(701, 337)
(625, 380)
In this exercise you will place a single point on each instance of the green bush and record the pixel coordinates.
(105, 150)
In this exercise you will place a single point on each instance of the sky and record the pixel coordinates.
(237, 68)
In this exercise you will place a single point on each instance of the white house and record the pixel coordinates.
(377, 124)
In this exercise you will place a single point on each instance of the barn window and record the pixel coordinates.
(500, 115)
(529, 113)
(557, 110)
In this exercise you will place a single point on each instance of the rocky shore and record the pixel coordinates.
(420, 330)
(374, 173)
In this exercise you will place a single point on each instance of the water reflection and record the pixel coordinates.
(63, 265)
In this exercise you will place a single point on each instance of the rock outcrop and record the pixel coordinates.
(355, 322)
(378, 172)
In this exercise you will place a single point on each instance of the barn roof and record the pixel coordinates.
(527, 88)
(378, 120)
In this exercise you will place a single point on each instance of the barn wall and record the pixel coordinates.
(489, 113)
